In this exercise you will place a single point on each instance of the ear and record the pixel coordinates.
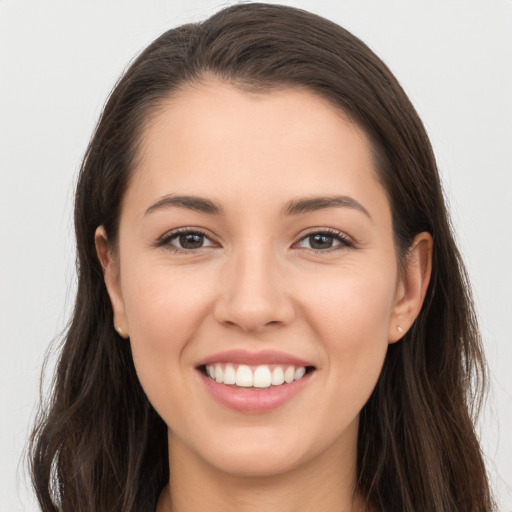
(110, 266)
(412, 287)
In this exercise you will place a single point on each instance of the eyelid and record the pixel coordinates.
(345, 242)
(164, 240)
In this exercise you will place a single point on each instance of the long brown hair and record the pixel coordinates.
(100, 446)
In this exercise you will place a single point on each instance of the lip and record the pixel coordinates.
(253, 400)
(262, 357)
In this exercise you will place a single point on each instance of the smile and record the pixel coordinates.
(254, 383)
(262, 376)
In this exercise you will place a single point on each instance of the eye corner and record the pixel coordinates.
(333, 240)
(179, 234)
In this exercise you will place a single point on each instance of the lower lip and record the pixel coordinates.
(254, 400)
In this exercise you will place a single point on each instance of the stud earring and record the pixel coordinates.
(399, 329)
(119, 330)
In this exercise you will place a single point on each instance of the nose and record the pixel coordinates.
(253, 295)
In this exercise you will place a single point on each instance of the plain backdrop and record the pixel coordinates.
(58, 62)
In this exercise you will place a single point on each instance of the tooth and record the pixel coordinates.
(277, 376)
(300, 372)
(244, 376)
(289, 374)
(218, 373)
(262, 377)
(229, 375)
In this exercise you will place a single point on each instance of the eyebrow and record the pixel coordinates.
(195, 203)
(293, 207)
(313, 204)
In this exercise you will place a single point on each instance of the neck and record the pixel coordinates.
(326, 483)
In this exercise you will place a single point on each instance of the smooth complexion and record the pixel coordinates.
(245, 261)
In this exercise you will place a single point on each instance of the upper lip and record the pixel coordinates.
(240, 356)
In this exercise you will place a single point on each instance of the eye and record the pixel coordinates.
(325, 241)
(185, 240)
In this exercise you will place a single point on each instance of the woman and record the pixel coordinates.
(271, 311)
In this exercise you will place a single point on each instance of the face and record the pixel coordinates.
(256, 277)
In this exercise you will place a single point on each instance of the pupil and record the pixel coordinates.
(321, 241)
(191, 241)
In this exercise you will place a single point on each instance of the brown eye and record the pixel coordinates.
(323, 241)
(190, 240)
(185, 240)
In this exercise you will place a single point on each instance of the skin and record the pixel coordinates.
(257, 283)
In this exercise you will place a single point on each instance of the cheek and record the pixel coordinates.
(350, 315)
(164, 309)
(164, 305)
(353, 306)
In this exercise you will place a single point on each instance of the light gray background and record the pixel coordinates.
(58, 62)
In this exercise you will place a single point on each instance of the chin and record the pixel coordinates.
(257, 463)
(263, 452)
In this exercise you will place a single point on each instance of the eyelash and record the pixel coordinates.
(165, 241)
(344, 241)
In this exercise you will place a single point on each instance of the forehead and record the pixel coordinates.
(216, 140)
(221, 112)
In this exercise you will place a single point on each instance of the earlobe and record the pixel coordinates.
(412, 287)
(110, 267)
